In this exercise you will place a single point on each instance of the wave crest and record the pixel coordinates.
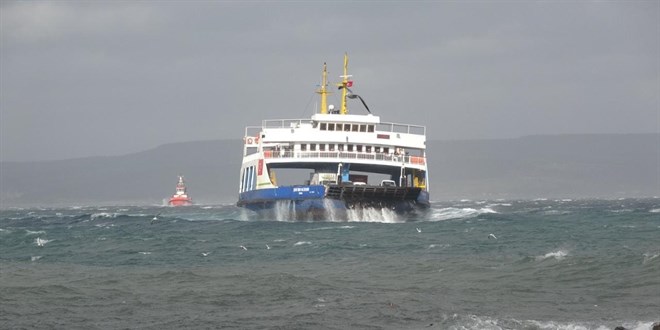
(558, 255)
(459, 213)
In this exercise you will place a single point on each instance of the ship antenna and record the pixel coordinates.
(323, 90)
(346, 92)
(345, 83)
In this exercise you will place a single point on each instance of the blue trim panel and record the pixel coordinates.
(282, 193)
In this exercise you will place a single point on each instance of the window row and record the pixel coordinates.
(343, 147)
(346, 127)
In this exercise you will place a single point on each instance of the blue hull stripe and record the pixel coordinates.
(282, 193)
(310, 199)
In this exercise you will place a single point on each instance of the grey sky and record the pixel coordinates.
(104, 78)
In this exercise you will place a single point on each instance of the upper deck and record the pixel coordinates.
(334, 129)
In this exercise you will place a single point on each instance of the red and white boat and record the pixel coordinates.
(180, 198)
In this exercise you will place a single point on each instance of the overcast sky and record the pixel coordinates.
(107, 78)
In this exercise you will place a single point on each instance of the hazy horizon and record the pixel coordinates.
(128, 153)
(81, 79)
(560, 166)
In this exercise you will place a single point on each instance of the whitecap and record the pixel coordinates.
(35, 258)
(655, 211)
(330, 228)
(38, 232)
(648, 257)
(621, 211)
(556, 212)
(41, 242)
(102, 215)
(498, 204)
(302, 243)
(458, 213)
(144, 252)
(558, 255)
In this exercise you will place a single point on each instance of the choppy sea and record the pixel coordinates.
(534, 264)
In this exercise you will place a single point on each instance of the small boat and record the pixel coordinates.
(353, 161)
(180, 198)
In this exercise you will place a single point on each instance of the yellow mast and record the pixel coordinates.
(324, 91)
(344, 85)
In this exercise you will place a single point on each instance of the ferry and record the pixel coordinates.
(180, 198)
(348, 161)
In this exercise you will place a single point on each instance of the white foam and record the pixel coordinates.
(498, 204)
(35, 258)
(556, 212)
(458, 213)
(102, 215)
(371, 214)
(330, 209)
(38, 232)
(40, 241)
(485, 322)
(145, 252)
(302, 243)
(285, 211)
(655, 211)
(558, 255)
(621, 211)
(330, 228)
(648, 257)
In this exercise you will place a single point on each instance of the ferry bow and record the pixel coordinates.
(354, 161)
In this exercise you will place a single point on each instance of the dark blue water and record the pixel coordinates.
(583, 264)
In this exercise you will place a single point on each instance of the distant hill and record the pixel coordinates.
(563, 166)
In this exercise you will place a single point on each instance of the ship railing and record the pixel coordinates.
(406, 159)
(283, 123)
(380, 127)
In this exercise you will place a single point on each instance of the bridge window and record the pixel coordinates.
(350, 147)
(340, 147)
(331, 147)
(321, 147)
(331, 127)
(312, 147)
(363, 128)
(303, 147)
(386, 150)
(356, 127)
(347, 127)
(323, 126)
(368, 149)
(359, 148)
(377, 149)
(371, 128)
